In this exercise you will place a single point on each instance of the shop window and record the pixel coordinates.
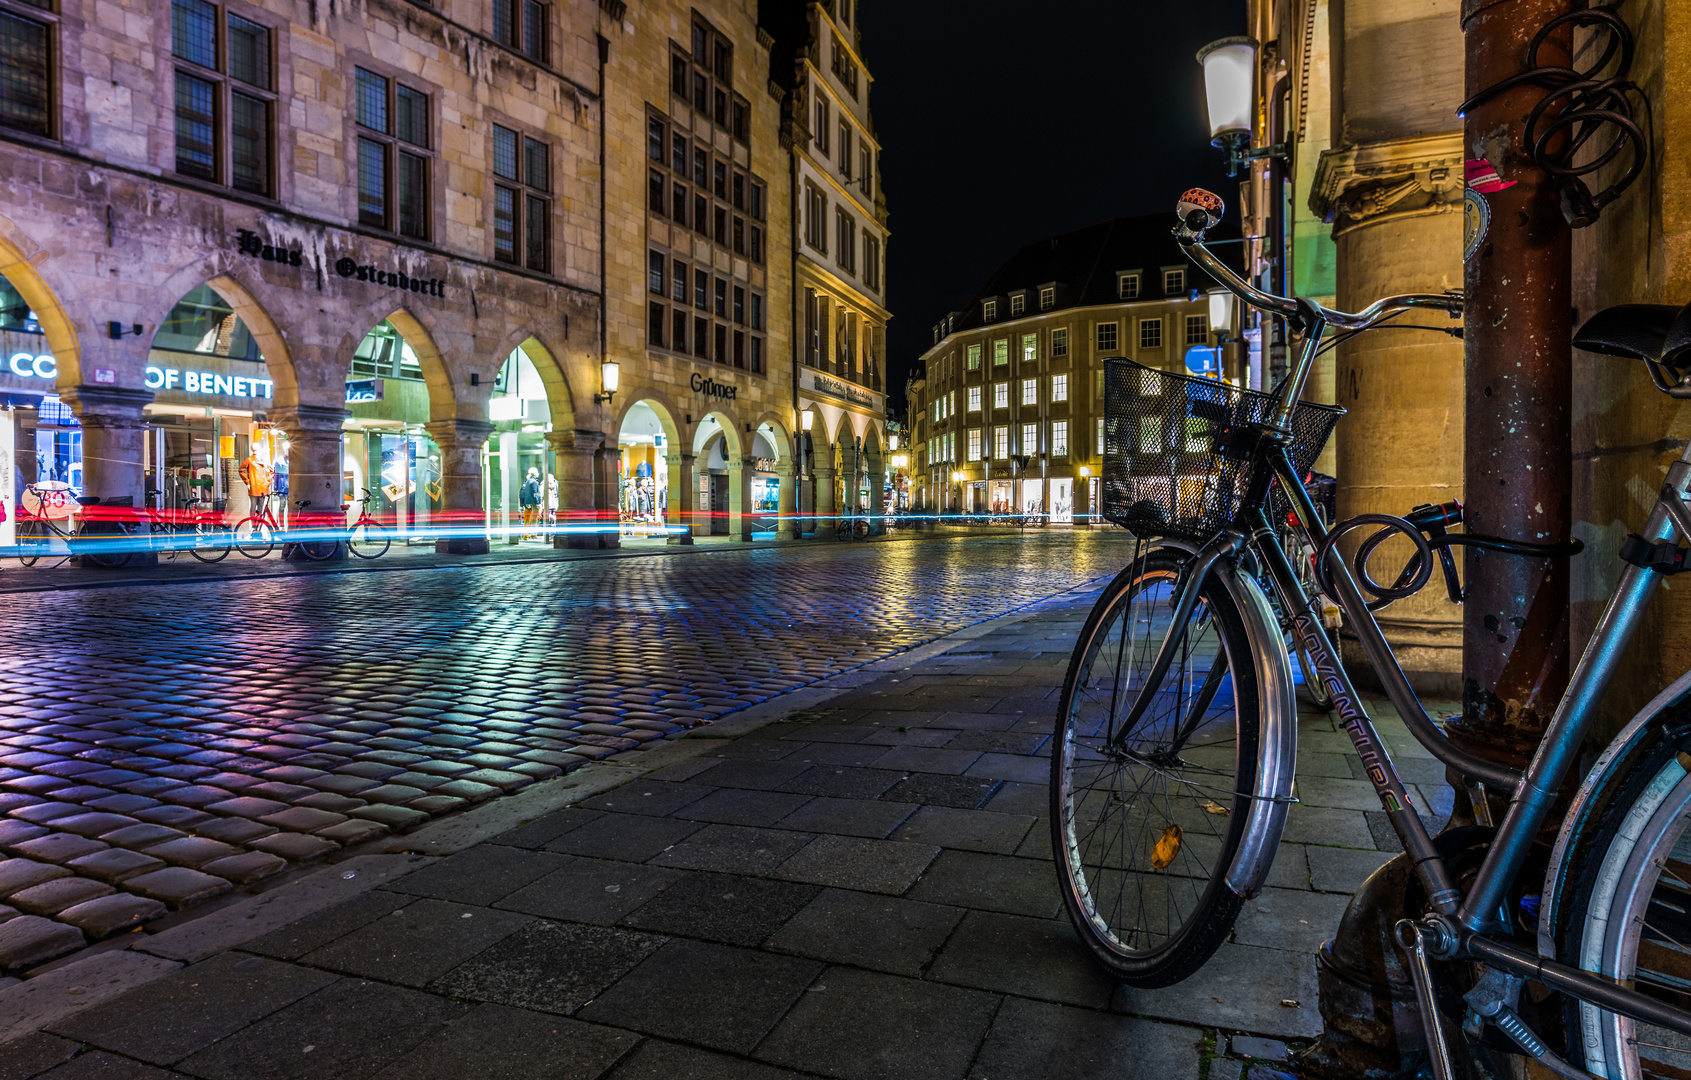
(393, 164)
(225, 104)
(201, 322)
(522, 209)
(26, 58)
(521, 25)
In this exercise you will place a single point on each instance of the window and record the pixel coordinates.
(974, 444)
(871, 261)
(712, 75)
(845, 69)
(1106, 336)
(1174, 281)
(224, 106)
(521, 24)
(1059, 438)
(1127, 286)
(679, 341)
(823, 119)
(1001, 351)
(521, 209)
(865, 171)
(739, 120)
(740, 305)
(701, 338)
(1098, 427)
(1047, 298)
(1001, 395)
(1030, 348)
(845, 235)
(757, 356)
(721, 298)
(655, 263)
(656, 322)
(701, 290)
(1001, 443)
(26, 75)
(1150, 333)
(1018, 303)
(845, 149)
(393, 177)
(1030, 391)
(1059, 388)
(1030, 438)
(1197, 329)
(815, 218)
(989, 310)
(974, 357)
(757, 311)
(1060, 342)
(974, 399)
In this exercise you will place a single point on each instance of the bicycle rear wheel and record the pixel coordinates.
(369, 541)
(34, 540)
(1145, 821)
(210, 541)
(101, 544)
(254, 538)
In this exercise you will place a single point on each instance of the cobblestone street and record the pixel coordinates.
(161, 746)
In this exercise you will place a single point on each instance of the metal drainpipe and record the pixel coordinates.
(803, 439)
(1517, 390)
(1280, 277)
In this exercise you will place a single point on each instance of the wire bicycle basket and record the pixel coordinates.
(1171, 466)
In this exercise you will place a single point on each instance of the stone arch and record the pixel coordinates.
(443, 402)
(659, 404)
(23, 262)
(782, 442)
(554, 376)
(726, 423)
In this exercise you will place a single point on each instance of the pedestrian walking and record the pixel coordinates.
(529, 500)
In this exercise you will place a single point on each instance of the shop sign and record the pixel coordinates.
(708, 387)
(248, 242)
(358, 390)
(206, 382)
(394, 279)
(32, 366)
(833, 387)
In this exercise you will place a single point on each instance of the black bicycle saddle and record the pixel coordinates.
(1635, 331)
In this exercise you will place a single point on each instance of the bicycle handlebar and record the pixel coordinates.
(1199, 210)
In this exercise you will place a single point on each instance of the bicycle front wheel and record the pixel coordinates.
(1146, 818)
(253, 538)
(369, 541)
(210, 541)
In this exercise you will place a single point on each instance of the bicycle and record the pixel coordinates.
(257, 535)
(37, 531)
(1175, 748)
(852, 527)
(368, 537)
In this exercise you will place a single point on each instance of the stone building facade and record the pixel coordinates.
(1020, 374)
(394, 246)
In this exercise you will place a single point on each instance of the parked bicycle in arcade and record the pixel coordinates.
(1176, 742)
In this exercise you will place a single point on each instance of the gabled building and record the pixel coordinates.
(1012, 390)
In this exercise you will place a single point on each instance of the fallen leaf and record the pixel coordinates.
(1168, 846)
(1213, 808)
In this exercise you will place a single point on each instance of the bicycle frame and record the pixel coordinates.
(1465, 919)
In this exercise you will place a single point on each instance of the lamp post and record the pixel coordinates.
(1086, 479)
(610, 377)
(1221, 325)
(1229, 75)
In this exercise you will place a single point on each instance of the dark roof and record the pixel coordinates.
(1083, 264)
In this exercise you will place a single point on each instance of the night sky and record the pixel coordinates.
(1002, 123)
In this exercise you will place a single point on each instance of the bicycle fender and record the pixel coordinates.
(1609, 769)
(1277, 755)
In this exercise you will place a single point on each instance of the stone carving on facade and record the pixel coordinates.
(1363, 185)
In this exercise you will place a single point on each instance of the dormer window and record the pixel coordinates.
(1174, 281)
(1127, 285)
(1018, 303)
(1047, 298)
(989, 310)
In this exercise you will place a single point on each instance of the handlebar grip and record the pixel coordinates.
(1431, 515)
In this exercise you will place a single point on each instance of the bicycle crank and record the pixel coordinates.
(1410, 939)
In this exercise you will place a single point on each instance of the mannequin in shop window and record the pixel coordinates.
(551, 499)
(529, 499)
(260, 480)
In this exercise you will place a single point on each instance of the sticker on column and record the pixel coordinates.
(1483, 180)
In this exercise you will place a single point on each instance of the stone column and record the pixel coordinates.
(826, 508)
(875, 466)
(683, 498)
(112, 437)
(609, 534)
(462, 509)
(740, 516)
(577, 487)
(1397, 224)
(314, 469)
(788, 528)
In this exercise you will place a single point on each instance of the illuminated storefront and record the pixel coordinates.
(519, 473)
(386, 448)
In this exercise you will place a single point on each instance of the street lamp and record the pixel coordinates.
(806, 417)
(610, 377)
(1229, 76)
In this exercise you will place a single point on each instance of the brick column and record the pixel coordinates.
(314, 468)
(683, 498)
(462, 499)
(788, 528)
(578, 484)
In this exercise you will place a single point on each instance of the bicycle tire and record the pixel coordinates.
(211, 542)
(843, 531)
(317, 550)
(1631, 860)
(1215, 765)
(368, 541)
(254, 538)
(102, 530)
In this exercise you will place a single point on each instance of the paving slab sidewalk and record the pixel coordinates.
(860, 889)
